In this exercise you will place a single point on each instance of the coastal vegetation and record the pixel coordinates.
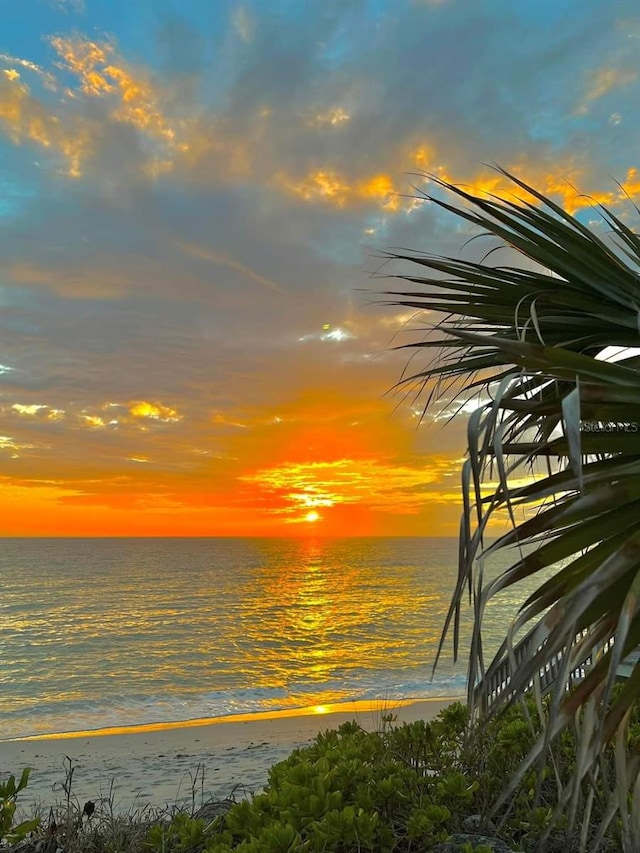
(12, 831)
(401, 789)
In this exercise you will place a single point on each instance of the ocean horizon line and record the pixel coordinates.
(301, 537)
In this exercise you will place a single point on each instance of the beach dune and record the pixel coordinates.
(184, 763)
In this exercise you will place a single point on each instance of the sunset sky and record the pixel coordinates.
(193, 197)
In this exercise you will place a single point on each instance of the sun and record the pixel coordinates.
(312, 516)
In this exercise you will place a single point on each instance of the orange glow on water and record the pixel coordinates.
(358, 706)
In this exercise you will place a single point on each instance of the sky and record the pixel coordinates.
(194, 199)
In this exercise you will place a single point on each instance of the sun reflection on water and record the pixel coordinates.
(138, 632)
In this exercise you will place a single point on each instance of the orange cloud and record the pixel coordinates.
(223, 148)
(331, 186)
(93, 421)
(26, 119)
(102, 73)
(601, 81)
(568, 182)
(39, 411)
(377, 484)
(631, 184)
(134, 99)
(57, 509)
(316, 460)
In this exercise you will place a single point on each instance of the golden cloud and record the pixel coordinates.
(93, 421)
(114, 415)
(102, 73)
(228, 148)
(47, 79)
(601, 81)
(337, 189)
(27, 119)
(153, 411)
(331, 186)
(377, 484)
(37, 410)
(132, 95)
(29, 409)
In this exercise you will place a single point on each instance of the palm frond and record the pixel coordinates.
(531, 339)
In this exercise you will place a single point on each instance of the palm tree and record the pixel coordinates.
(531, 339)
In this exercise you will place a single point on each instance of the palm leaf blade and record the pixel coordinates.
(533, 341)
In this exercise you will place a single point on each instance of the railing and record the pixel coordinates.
(548, 675)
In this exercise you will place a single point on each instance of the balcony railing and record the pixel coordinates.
(499, 680)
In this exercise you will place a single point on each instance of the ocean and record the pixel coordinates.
(101, 633)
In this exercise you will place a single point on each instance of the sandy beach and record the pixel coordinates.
(201, 759)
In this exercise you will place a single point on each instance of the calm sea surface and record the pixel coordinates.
(97, 633)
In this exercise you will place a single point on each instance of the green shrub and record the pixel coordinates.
(402, 789)
(9, 832)
(182, 834)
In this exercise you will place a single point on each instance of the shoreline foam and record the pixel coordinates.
(354, 706)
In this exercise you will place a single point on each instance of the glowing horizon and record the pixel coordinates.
(192, 203)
